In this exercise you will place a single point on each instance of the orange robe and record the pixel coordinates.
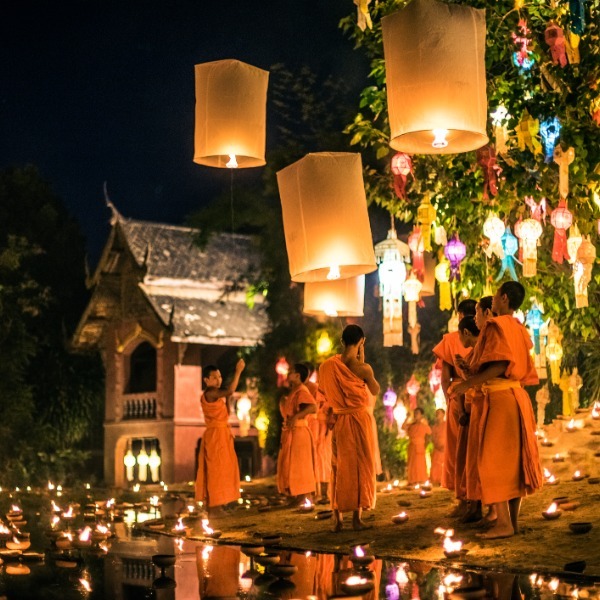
(296, 463)
(218, 571)
(218, 477)
(417, 465)
(321, 434)
(446, 351)
(509, 463)
(471, 479)
(376, 452)
(353, 460)
(438, 437)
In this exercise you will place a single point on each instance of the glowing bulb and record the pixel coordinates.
(334, 272)
(232, 164)
(440, 140)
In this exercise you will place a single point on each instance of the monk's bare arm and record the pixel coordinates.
(212, 394)
(307, 409)
(446, 377)
(492, 370)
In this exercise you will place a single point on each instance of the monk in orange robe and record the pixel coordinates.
(346, 380)
(438, 437)
(218, 478)
(509, 463)
(417, 432)
(447, 351)
(296, 464)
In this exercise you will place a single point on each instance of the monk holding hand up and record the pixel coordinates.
(346, 380)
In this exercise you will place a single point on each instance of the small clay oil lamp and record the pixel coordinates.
(18, 544)
(5, 533)
(578, 476)
(400, 518)
(180, 528)
(84, 539)
(57, 510)
(307, 506)
(426, 486)
(571, 426)
(452, 549)
(64, 542)
(209, 532)
(360, 559)
(100, 533)
(596, 411)
(546, 443)
(387, 489)
(425, 493)
(552, 480)
(356, 585)
(18, 569)
(558, 458)
(68, 516)
(552, 512)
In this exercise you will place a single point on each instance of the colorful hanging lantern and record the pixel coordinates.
(389, 401)
(142, 461)
(595, 110)
(563, 158)
(412, 389)
(582, 271)
(500, 119)
(154, 463)
(129, 461)
(435, 82)
(391, 255)
(336, 298)
(550, 132)
(401, 168)
(282, 368)
(555, 38)
(572, 46)
(573, 243)
(523, 57)
(530, 231)
(486, 159)
(242, 410)
(561, 218)
(324, 345)
(412, 293)
(439, 236)
(434, 378)
(417, 247)
(231, 114)
(510, 245)
(527, 134)
(426, 215)
(577, 16)
(442, 274)
(534, 322)
(363, 18)
(325, 219)
(538, 210)
(455, 251)
(518, 224)
(494, 229)
(400, 414)
(554, 352)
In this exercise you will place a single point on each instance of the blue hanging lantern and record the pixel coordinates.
(577, 16)
(534, 321)
(550, 132)
(510, 245)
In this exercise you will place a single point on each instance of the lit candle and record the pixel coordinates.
(571, 426)
(578, 476)
(552, 512)
(558, 458)
(400, 518)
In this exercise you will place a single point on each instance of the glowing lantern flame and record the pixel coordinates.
(206, 552)
(358, 551)
(553, 584)
(232, 164)
(355, 580)
(69, 513)
(450, 546)
(16, 509)
(85, 534)
(85, 584)
(571, 424)
(102, 529)
(401, 576)
(179, 526)
(552, 508)
(208, 530)
(440, 140)
(551, 479)
(307, 503)
(334, 272)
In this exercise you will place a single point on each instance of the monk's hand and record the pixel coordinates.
(361, 350)
(291, 421)
(458, 389)
(240, 365)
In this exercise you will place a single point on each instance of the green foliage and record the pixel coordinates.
(455, 182)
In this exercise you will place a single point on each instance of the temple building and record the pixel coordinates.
(161, 306)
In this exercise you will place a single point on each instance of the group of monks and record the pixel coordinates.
(485, 451)
(491, 455)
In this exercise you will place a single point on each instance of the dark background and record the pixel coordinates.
(95, 91)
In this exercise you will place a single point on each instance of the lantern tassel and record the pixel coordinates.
(559, 248)
(445, 296)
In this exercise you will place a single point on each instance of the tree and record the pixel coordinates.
(455, 182)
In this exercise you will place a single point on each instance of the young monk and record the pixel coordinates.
(218, 478)
(417, 432)
(446, 351)
(345, 380)
(509, 464)
(438, 437)
(295, 464)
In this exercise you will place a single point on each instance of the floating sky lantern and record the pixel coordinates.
(434, 59)
(325, 219)
(401, 167)
(530, 231)
(455, 251)
(582, 271)
(231, 113)
(282, 368)
(561, 218)
(500, 119)
(426, 214)
(550, 132)
(563, 158)
(442, 275)
(494, 229)
(335, 298)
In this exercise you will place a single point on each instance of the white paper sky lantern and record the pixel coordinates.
(435, 69)
(336, 298)
(231, 114)
(325, 219)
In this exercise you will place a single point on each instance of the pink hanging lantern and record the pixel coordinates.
(401, 168)
(455, 251)
(412, 388)
(417, 247)
(434, 378)
(282, 368)
(389, 401)
(561, 218)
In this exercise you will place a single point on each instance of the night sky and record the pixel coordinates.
(95, 91)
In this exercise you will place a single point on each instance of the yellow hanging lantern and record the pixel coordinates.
(500, 118)
(554, 352)
(426, 215)
(336, 298)
(494, 228)
(262, 425)
(582, 271)
(231, 114)
(529, 233)
(442, 274)
(528, 130)
(435, 69)
(324, 344)
(563, 158)
(573, 242)
(325, 219)
(412, 292)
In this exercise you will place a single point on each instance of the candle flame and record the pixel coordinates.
(69, 513)
(232, 164)
(4, 529)
(401, 576)
(179, 526)
(577, 474)
(402, 515)
(451, 579)
(206, 528)
(15, 508)
(595, 412)
(334, 272)
(206, 552)
(85, 584)
(358, 551)
(553, 584)
(440, 140)
(571, 424)
(84, 536)
(551, 479)
(355, 580)
(451, 546)
(547, 473)
(307, 503)
(552, 508)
